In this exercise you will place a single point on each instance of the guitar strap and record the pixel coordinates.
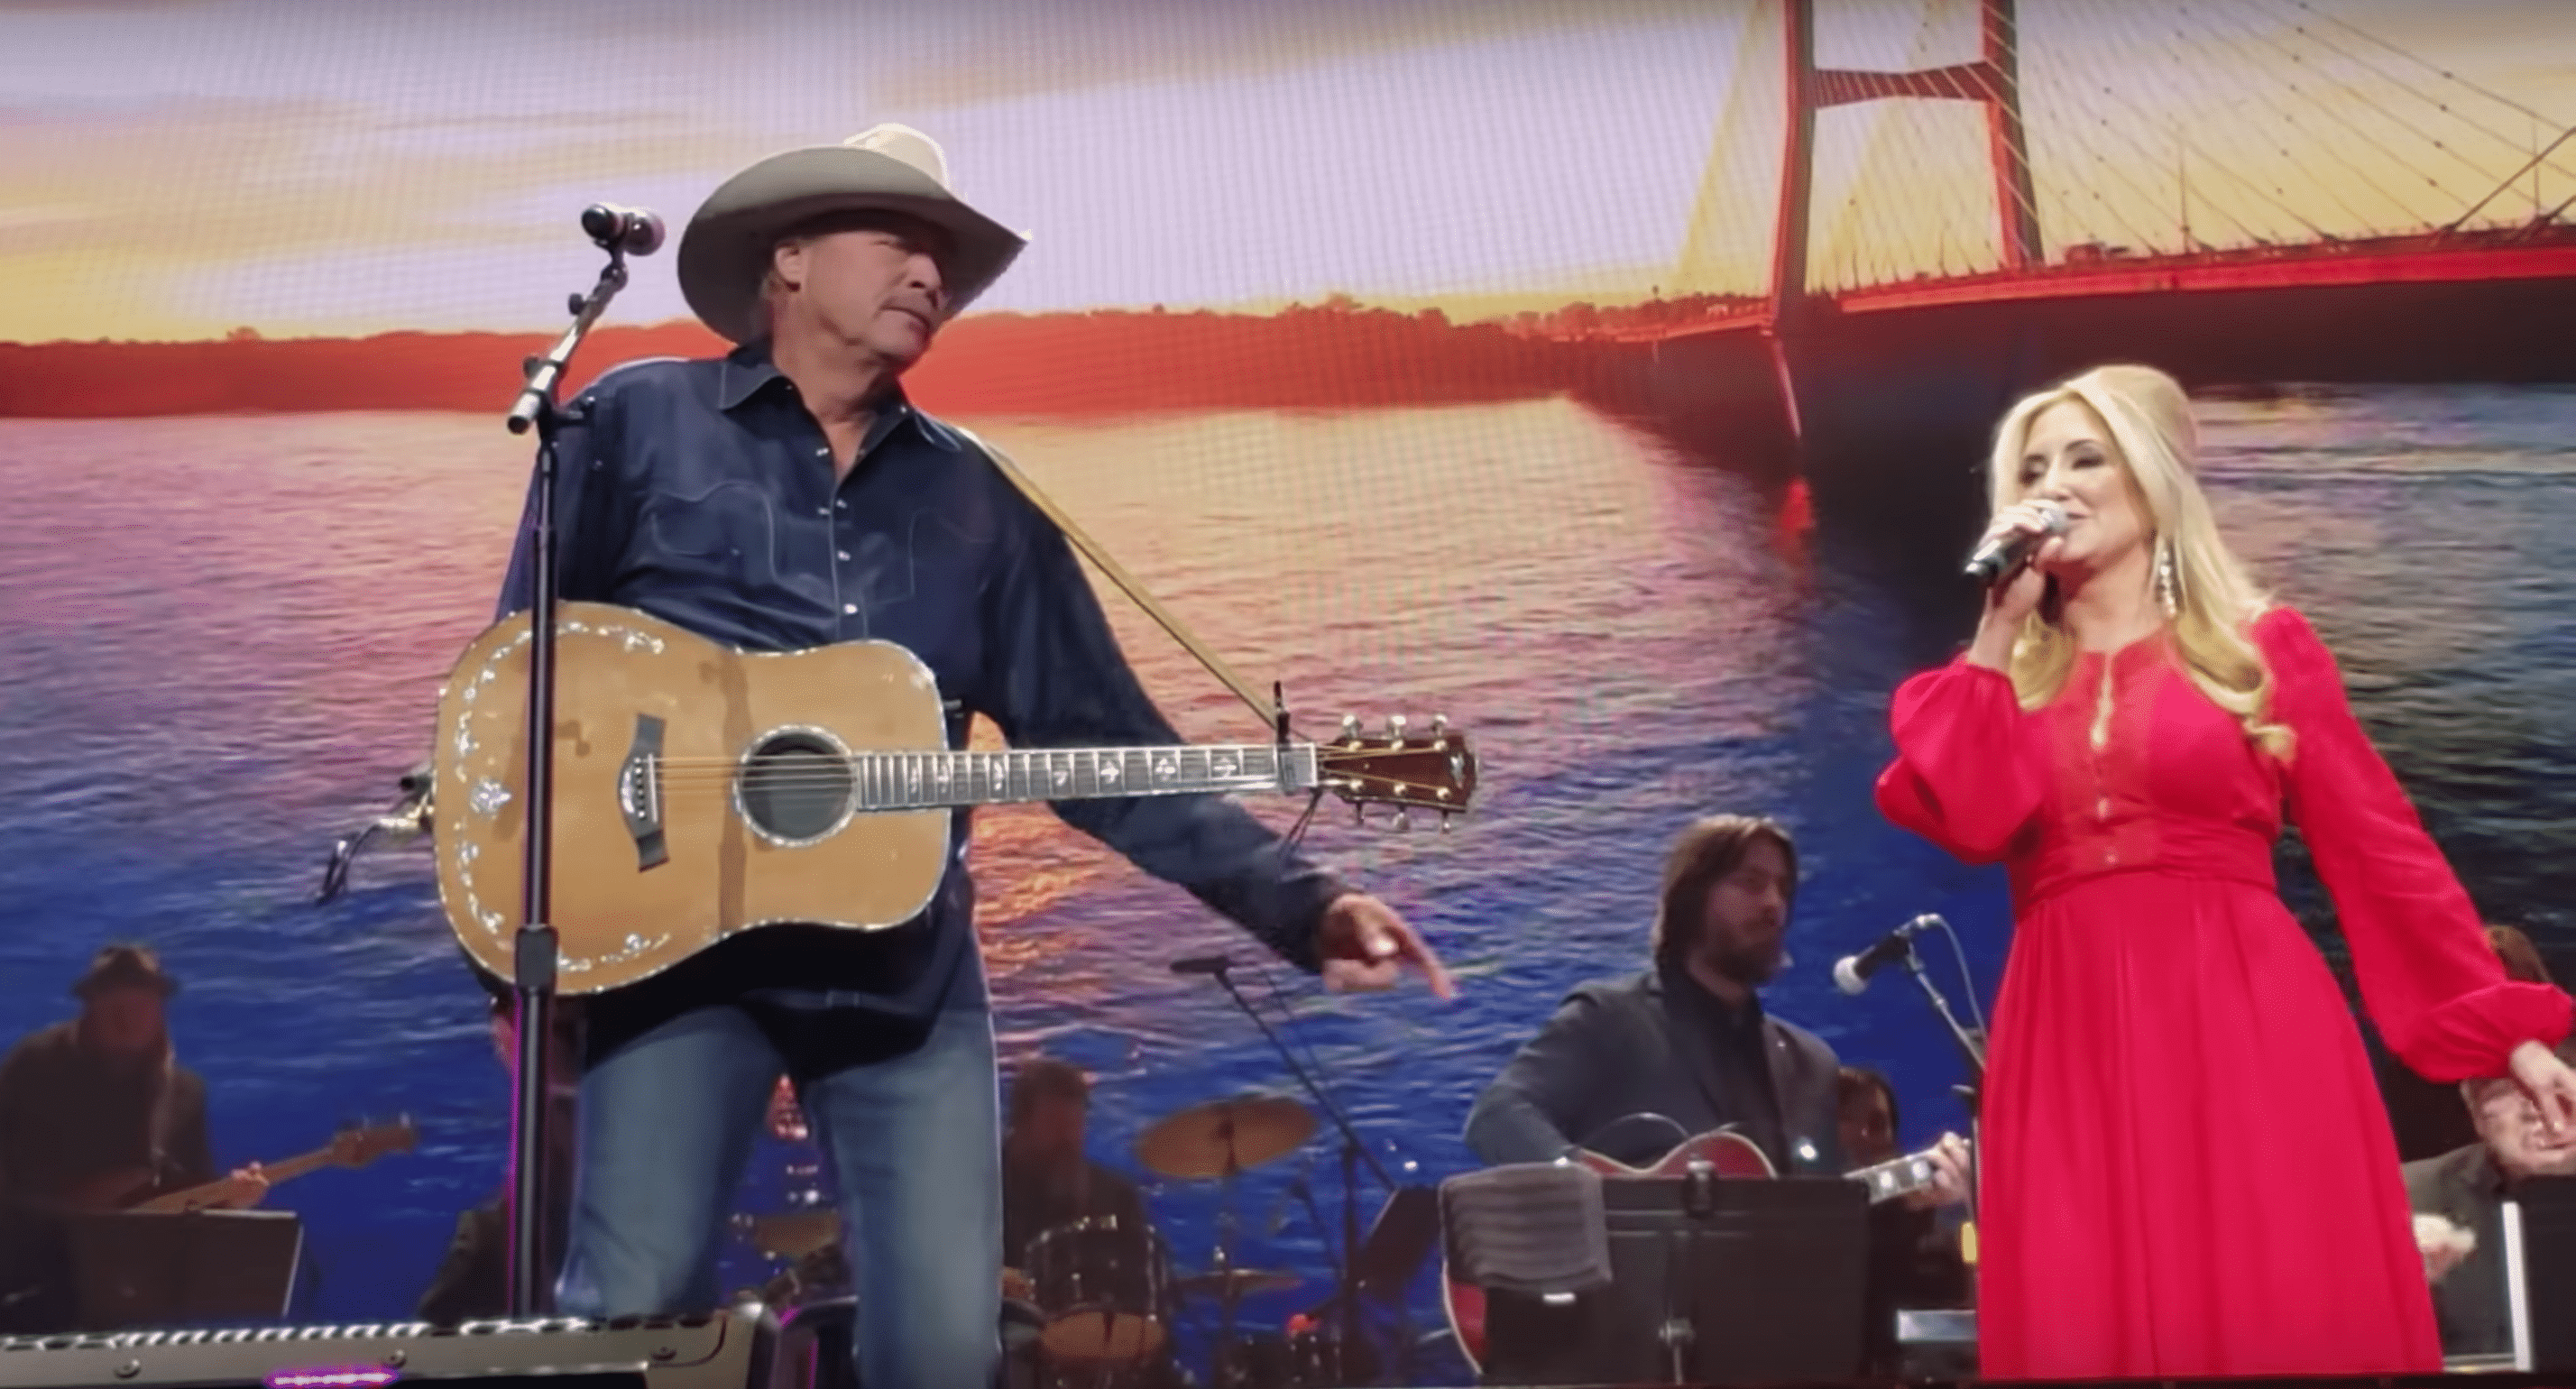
(1214, 664)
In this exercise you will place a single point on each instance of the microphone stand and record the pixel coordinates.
(1966, 1040)
(534, 955)
(1346, 1272)
(1971, 1094)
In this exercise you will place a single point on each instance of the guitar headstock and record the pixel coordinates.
(1432, 770)
(360, 1146)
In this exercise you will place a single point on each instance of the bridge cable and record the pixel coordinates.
(2275, 196)
(2500, 137)
(2363, 100)
(2446, 73)
(2076, 83)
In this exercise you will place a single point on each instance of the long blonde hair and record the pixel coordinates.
(2150, 425)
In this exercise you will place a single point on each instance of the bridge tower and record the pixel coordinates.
(1993, 80)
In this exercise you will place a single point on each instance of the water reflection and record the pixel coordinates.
(225, 636)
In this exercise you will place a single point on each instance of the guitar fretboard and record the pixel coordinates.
(923, 780)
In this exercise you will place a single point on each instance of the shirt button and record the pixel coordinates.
(822, 511)
(845, 555)
(2102, 808)
(842, 505)
(850, 609)
(823, 452)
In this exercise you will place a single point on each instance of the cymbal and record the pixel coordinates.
(1245, 1281)
(795, 1235)
(1225, 1136)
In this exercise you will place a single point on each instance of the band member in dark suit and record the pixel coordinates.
(2458, 1200)
(1687, 1038)
(1630, 1067)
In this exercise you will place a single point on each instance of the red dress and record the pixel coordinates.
(2186, 1168)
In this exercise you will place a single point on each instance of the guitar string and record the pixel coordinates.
(997, 787)
(720, 776)
(825, 777)
(936, 753)
(879, 760)
(914, 767)
(908, 771)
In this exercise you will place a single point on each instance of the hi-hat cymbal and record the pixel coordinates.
(1225, 1136)
(1246, 1281)
(796, 1234)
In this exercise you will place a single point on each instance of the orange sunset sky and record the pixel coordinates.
(177, 169)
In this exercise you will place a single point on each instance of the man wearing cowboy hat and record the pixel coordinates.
(96, 1114)
(783, 497)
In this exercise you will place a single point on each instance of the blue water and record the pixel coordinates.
(224, 636)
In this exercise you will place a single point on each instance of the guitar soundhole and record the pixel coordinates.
(795, 786)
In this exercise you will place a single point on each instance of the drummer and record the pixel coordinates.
(1048, 1180)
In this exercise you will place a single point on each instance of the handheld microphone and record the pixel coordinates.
(1852, 972)
(634, 230)
(2004, 554)
(1203, 964)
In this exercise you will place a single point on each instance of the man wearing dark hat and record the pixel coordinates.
(96, 1114)
(783, 497)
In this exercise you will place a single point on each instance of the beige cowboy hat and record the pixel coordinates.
(724, 253)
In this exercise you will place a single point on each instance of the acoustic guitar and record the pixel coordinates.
(1729, 1155)
(701, 791)
(350, 1148)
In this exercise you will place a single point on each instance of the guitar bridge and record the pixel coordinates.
(639, 792)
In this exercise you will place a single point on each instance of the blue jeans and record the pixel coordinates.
(667, 1126)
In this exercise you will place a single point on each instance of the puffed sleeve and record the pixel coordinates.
(1966, 774)
(2430, 980)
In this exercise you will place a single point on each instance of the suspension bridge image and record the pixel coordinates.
(2242, 192)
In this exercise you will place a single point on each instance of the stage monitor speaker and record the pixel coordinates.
(720, 1350)
(1713, 1281)
(134, 1269)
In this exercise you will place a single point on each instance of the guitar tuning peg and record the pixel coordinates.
(1395, 729)
(1359, 813)
(1403, 820)
(1439, 727)
(1445, 818)
(1350, 728)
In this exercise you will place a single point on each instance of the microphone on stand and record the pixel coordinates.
(2004, 554)
(1852, 972)
(621, 232)
(635, 230)
(1203, 964)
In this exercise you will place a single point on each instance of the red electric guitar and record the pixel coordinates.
(1732, 1155)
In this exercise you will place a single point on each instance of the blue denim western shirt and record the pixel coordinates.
(702, 492)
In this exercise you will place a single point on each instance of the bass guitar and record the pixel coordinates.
(1730, 1155)
(701, 791)
(349, 1148)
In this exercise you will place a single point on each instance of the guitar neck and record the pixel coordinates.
(933, 780)
(284, 1170)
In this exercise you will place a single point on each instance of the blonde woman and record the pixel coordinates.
(2187, 1170)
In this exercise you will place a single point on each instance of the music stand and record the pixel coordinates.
(1406, 1229)
(2540, 1257)
(138, 1269)
(1713, 1281)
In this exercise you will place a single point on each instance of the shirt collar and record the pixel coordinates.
(1746, 1017)
(747, 371)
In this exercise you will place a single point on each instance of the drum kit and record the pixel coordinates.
(1097, 1301)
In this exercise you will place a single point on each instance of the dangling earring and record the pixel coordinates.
(2168, 588)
